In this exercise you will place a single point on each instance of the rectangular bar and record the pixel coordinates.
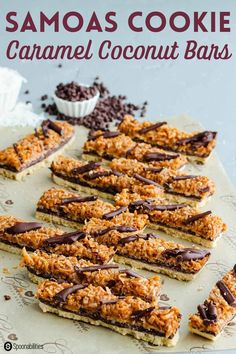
(148, 251)
(70, 209)
(97, 306)
(109, 145)
(41, 266)
(16, 234)
(35, 150)
(196, 146)
(217, 310)
(178, 220)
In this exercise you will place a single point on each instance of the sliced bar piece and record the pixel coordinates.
(35, 150)
(217, 310)
(179, 187)
(105, 147)
(70, 209)
(97, 306)
(196, 146)
(178, 220)
(148, 251)
(16, 234)
(41, 266)
(92, 178)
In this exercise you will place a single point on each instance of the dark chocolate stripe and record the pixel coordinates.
(151, 127)
(15, 147)
(226, 293)
(186, 254)
(199, 139)
(132, 238)
(157, 156)
(131, 273)
(153, 169)
(86, 168)
(67, 238)
(207, 312)
(121, 228)
(181, 178)
(114, 213)
(109, 302)
(105, 135)
(203, 189)
(98, 174)
(146, 180)
(89, 198)
(128, 152)
(196, 217)
(94, 268)
(22, 227)
(168, 207)
(62, 295)
(141, 313)
(48, 124)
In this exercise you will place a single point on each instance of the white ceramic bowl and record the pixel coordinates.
(76, 109)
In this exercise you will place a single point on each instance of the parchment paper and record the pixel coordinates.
(21, 320)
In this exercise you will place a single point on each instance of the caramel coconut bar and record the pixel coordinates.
(41, 266)
(98, 306)
(217, 310)
(35, 150)
(70, 209)
(148, 251)
(179, 187)
(196, 146)
(109, 145)
(92, 178)
(178, 220)
(16, 234)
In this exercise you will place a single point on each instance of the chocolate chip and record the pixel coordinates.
(7, 297)
(9, 202)
(44, 97)
(26, 92)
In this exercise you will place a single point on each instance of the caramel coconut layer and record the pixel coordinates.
(148, 251)
(92, 178)
(178, 186)
(197, 146)
(217, 310)
(16, 234)
(98, 306)
(111, 145)
(70, 209)
(121, 281)
(35, 150)
(178, 220)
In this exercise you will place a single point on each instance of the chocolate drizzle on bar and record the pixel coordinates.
(151, 127)
(141, 313)
(48, 124)
(131, 273)
(208, 312)
(226, 293)
(153, 169)
(200, 139)
(135, 237)
(15, 147)
(128, 152)
(106, 135)
(121, 228)
(186, 254)
(89, 198)
(95, 268)
(196, 217)
(86, 168)
(157, 156)
(147, 204)
(62, 295)
(146, 180)
(102, 174)
(181, 178)
(67, 238)
(114, 213)
(22, 227)
(109, 302)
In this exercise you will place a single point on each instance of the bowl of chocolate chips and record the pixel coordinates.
(75, 100)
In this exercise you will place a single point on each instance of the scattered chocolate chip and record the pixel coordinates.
(7, 297)
(74, 92)
(26, 92)
(196, 217)
(27, 102)
(59, 65)
(44, 97)
(9, 202)
(12, 336)
(164, 297)
(43, 105)
(29, 293)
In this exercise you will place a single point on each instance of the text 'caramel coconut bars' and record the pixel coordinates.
(35, 150)
(178, 186)
(148, 251)
(98, 306)
(217, 310)
(70, 209)
(16, 234)
(196, 146)
(41, 266)
(108, 145)
(178, 220)
(92, 178)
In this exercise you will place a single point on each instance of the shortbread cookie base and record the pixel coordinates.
(95, 158)
(35, 278)
(79, 188)
(153, 268)
(57, 220)
(183, 235)
(10, 248)
(19, 176)
(156, 340)
(203, 334)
